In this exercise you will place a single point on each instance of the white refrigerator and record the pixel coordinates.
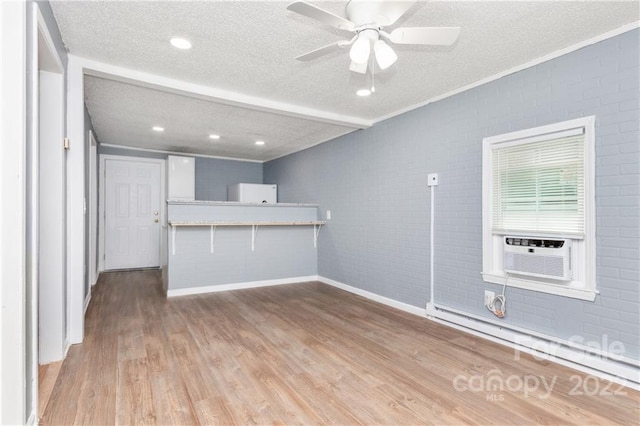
(253, 193)
(181, 178)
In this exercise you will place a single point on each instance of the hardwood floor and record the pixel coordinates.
(47, 376)
(301, 354)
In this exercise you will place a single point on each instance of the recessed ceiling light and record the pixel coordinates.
(180, 43)
(363, 92)
(259, 142)
(216, 137)
(158, 129)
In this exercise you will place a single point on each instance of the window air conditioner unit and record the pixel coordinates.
(538, 257)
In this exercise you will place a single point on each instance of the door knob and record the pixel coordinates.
(156, 220)
(155, 213)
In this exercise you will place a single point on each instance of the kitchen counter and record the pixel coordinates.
(220, 245)
(235, 204)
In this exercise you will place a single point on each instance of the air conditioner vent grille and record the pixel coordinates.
(538, 258)
(550, 265)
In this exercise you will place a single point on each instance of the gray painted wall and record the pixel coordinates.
(374, 182)
(213, 176)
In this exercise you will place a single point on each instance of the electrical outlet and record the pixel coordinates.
(432, 179)
(328, 214)
(488, 298)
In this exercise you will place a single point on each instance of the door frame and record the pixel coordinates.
(13, 124)
(93, 210)
(56, 316)
(101, 201)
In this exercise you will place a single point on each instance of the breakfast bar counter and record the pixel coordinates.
(215, 245)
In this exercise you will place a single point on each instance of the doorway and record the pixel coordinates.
(47, 212)
(132, 212)
(52, 220)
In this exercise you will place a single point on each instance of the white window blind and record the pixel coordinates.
(538, 186)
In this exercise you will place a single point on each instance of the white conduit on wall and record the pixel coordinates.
(616, 368)
(432, 245)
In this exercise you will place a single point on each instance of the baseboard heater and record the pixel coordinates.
(622, 370)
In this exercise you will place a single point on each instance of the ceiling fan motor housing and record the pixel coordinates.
(366, 12)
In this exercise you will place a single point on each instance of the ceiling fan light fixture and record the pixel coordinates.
(360, 50)
(385, 56)
(359, 68)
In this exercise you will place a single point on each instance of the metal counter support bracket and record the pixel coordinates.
(212, 237)
(173, 240)
(254, 232)
(316, 232)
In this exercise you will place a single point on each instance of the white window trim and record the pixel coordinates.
(584, 254)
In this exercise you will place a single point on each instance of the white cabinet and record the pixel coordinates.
(181, 178)
(253, 193)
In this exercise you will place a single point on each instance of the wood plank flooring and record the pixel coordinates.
(47, 376)
(302, 354)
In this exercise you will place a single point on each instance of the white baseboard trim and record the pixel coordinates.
(573, 356)
(561, 352)
(238, 286)
(375, 297)
(32, 420)
(86, 302)
(97, 277)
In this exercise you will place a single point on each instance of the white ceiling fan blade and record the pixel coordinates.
(359, 68)
(437, 36)
(390, 11)
(321, 51)
(314, 12)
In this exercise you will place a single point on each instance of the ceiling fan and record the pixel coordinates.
(367, 19)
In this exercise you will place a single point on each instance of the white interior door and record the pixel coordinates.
(132, 214)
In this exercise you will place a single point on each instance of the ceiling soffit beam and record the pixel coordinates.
(211, 94)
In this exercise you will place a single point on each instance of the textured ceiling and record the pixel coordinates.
(249, 48)
(123, 114)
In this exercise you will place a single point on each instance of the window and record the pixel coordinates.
(538, 187)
